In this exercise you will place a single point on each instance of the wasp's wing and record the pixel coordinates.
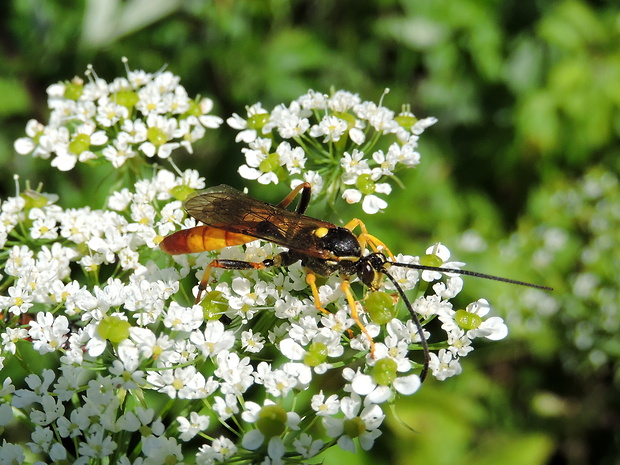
(226, 208)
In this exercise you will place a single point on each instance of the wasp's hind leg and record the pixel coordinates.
(281, 259)
(303, 201)
(230, 265)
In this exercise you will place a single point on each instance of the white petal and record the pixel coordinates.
(440, 250)
(64, 162)
(148, 149)
(357, 136)
(248, 173)
(346, 443)
(363, 385)
(276, 449)
(24, 145)
(291, 350)
(372, 204)
(352, 195)
(407, 385)
(350, 406)
(379, 395)
(252, 439)
(333, 426)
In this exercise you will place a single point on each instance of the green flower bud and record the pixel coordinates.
(354, 427)
(79, 144)
(380, 306)
(214, 305)
(258, 121)
(467, 320)
(271, 421)
(181, 192)
(385, 371)
(113, 329)
(156, 136)
(316, 354)
(365, 184)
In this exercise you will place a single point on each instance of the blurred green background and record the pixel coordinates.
(519, 178)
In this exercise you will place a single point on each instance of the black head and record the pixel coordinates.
(370, 270)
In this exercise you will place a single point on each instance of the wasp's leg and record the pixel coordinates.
(231, 265)
(366, 238)
(346, 288)
(311, 280)
(281, 259)
(303, 201)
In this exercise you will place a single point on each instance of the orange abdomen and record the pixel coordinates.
(201, 239)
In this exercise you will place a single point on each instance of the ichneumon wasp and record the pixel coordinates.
(231, 217)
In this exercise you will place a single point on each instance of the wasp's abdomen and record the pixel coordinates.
(201, 239)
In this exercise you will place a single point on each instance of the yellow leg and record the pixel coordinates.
(366, 238)
(203, 282)
(311, 280)
(346, 288)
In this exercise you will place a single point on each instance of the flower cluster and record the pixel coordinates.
(126, 347)
(139, 334)
(141, 114)
(338, 143)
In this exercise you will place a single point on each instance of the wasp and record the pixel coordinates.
(232, 217)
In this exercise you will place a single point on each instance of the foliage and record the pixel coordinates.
(523, 91)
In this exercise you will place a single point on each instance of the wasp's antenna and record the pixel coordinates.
(440, 269)
(416, 322)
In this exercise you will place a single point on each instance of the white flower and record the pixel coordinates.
(181, 318)
(293, 158)
(234, 372)
(253, 169)
(161, 449)
(253, 439)
(26, 145)
(405, 154)
(368, 422)
(443, 253)
(331, 127)
(18, 301)
(444, 364)
(48, 334)
(226, 406)
(184, 383)
(119, 151)
(190, 428)
(324, 407)
(365, 385)
(307, 446)
(11, 336)
(246, 134)
(356, 172)
(353, 164)
(221, 450)
(214, 339)
(492, 328)
(252, 342)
